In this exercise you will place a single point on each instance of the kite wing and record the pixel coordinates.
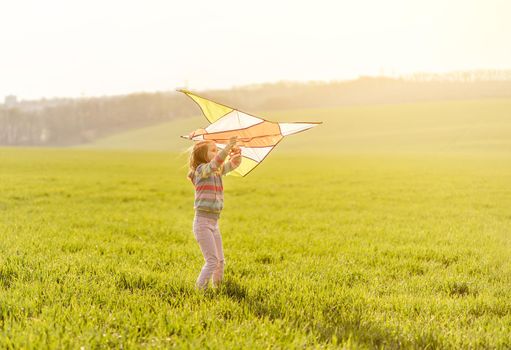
(256, 136)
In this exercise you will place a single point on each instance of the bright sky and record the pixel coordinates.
(105, 47)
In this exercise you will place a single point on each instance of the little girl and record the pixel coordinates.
(206, 170)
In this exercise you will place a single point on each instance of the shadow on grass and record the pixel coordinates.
(338, 321)
(7, 276)
(233, 290)
(258, 303)
(335, 323)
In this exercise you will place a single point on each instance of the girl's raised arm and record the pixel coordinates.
(233, 163)
(207, 169)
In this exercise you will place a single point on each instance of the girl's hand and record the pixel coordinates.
(234, 150)
(233, 140)
(236, 159)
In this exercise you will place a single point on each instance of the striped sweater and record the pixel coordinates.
(209, 190)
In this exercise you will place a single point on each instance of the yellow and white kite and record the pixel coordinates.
(256, 136)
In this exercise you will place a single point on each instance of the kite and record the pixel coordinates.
(256, 136)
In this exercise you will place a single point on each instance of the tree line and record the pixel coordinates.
(63, 122)
(76, 121)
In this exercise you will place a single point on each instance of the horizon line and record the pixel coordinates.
(419, 76)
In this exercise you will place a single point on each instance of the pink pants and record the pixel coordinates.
(208, 236)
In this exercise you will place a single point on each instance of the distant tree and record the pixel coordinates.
(60, 122)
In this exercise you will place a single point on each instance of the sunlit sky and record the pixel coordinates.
(103, 47)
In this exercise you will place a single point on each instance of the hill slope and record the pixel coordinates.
(445, 127)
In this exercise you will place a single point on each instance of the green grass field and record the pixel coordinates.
(386, 227)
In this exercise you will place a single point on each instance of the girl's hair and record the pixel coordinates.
(198, 155)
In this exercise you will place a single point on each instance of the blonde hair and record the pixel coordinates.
(198, 156)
